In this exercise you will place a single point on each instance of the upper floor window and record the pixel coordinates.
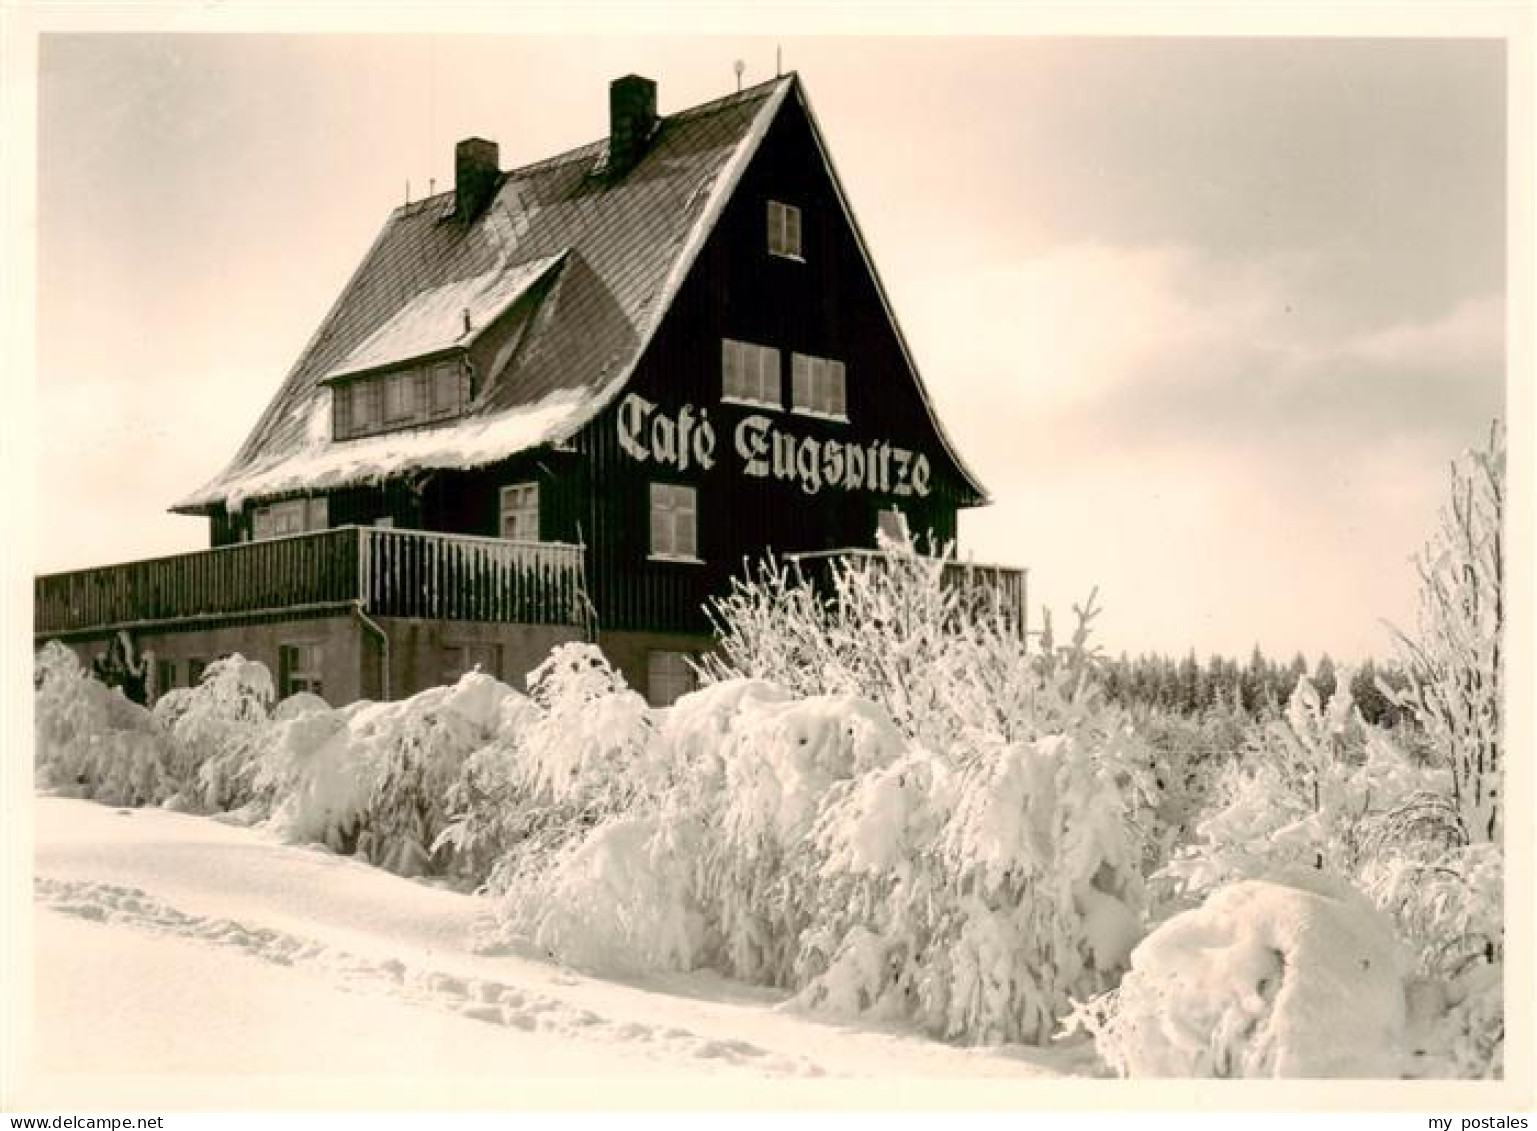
(750, 373)
(520, 512)
(399, 396)
(817, 387)
(291, 516)
(394, 400)
(784, 230)
(674, 533)
(447, 390)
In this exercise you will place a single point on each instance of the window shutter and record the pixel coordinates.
(731, 370)
(683, 521)
(792, 231)
(661, 541)
(341, 410)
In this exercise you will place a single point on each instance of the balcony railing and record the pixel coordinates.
(988, 590)
(385, 572)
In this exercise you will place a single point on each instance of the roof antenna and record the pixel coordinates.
(466, 314)
(739, 67)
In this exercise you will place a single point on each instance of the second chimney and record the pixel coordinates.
(476, 176)
(631, 118)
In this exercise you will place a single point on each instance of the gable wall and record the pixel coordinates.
(827, 306)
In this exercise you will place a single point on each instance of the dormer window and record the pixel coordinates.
(400, 397)
(381, 402)
(784, 230)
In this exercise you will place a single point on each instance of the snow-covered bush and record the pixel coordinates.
(91, 741)
(1311, 791)
(1455, 662)
(883, 802)
(1294, 976)
(215, 733)
(413, 754)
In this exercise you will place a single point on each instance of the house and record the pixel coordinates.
(565, 401)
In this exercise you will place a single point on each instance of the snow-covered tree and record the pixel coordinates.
(1455, 661)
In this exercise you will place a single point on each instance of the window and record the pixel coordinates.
(447, 389)
(817, 386)
(461, 658)
(673, 534)
(394, 400)
(299, 669)
(784, 230)
(400, 396)
(356, 407)
(195, 669)
(520, 512)
(291, 516)
(891, 525)
(750, 373)
(668, 678)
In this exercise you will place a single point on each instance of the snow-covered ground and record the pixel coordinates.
(170, 943)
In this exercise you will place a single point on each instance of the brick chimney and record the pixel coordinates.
(631, 118)
(476, 177)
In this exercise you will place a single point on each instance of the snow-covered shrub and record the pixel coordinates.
(413, 754)
(215, 733)
(315, 775)
(1455, 662)
(895, 810)
(1298, 976)
(91, 741)
(575, 756)
(976, 899)
(585, 751)
(1313, 790)
(892, 631)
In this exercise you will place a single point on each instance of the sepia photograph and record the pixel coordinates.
(616, 566)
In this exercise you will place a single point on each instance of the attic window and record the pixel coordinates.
(784, 230)
(407, 397)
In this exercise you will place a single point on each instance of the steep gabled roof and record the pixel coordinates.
(612, 253)
(627, 245)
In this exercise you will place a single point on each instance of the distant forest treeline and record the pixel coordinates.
(1256, 689)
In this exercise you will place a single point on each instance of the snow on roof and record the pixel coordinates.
(448, 316)
(322, 464)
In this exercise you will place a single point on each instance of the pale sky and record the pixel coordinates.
(1208, 317)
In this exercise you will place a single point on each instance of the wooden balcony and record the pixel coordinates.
(383, 572)
(987, 590)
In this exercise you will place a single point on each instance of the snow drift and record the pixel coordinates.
(1251, 984)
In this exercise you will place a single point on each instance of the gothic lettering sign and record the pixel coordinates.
(766, 451)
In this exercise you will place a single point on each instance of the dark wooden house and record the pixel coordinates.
(564, 401)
